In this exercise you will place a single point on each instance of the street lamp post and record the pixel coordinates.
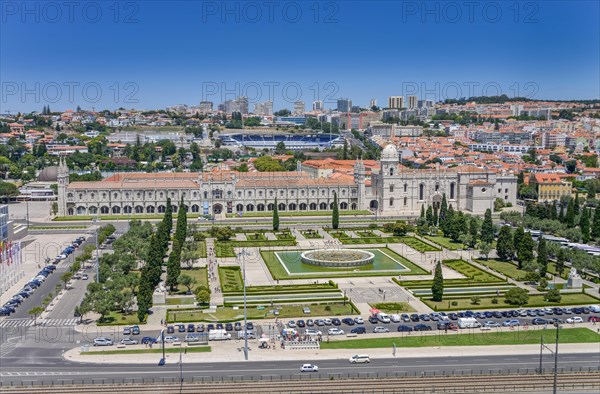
(96, 221)
(555, 360)
(242, 255)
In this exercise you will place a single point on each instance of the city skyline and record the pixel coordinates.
(151, 70)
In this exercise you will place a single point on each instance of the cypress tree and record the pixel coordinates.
(595, 232)
(473, 230)
(275, 216)
(576, 204)
(542, 257)
(435, 216)
(561, 214)
(174, 265)
(429, 216)
(443, 210)
(525, 250)
(570, 216)
(335, 216)
(422, 211)
(517, 239)
(181, 229)
(437, 287)
(584, 225)
(168, 218)
(487, 228)
(553, 211)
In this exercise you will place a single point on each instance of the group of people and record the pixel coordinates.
(212, 267)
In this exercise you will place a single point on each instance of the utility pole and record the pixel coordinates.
(556, 360)
(243, 253)
(96, 221)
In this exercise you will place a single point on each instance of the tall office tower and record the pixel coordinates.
(240, 104)
(344, 105)
(318, 105)
(265, 108)
(299, 107)
(395, 102)
(205, 106)
(372, 103)
(412, 102)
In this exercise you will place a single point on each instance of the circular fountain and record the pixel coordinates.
(337, 258)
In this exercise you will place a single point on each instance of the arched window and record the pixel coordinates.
(260, 207)
(353, 206)
(150, 209)
(115, 195)
(161, 209)
(391, 201)
(313, 206)
(292, 207)
(139, 209)
(116, 210)
(270, 207)
(104, 210)
(195, 208)
(250, 207)
(405, 187)
(437, 187)
(70, 195)
(452, 187)
(206, 195)
(302, 207)
(392, 171)
(281, 207)
(344, 205)
(405, 201)
(421, 191)
(239, 208)
(391, 188)
(323, 206)
(70, 211)
(81, 210)
(93, 210)
(127, 209)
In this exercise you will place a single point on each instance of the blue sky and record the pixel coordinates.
(151, 54)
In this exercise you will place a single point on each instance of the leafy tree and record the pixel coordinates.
(552, 296)
(457, 225)
(485, 249)
(187, 281)
(525, 248)
(542, 257)
(401, 228)
(448, 223)
(202, 295)
(66, 277)
(475, 300)
(275, 216)
(517, 296)
(561, 214)
(35, 312)
(335, 216)
(487, 228)
(437, 288)
(505, 246)
(8, 191)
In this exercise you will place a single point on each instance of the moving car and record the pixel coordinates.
(309, 368)
(403, 328)
(491, 323)
(594, 319)
(511, 323)
(422, 327)
(103, 342)
(359, 358)
(170, 339)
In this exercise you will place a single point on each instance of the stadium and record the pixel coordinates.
(291, 141)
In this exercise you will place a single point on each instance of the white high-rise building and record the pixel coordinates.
(299, 107)
(372, 103)
(318, 105)
(265, 108)
(395, 102)
(413, 102)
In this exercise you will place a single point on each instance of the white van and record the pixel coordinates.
(383, 317)
(359, 358)
(218, 335)
(468, 322)
(395, 318)
(595, 308)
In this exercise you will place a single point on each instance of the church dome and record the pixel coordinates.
(48, 174)
(390, 153)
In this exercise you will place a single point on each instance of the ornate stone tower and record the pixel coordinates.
(63, 181)
(359, 179)
(389, 161)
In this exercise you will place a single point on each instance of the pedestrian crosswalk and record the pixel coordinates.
(25, 322)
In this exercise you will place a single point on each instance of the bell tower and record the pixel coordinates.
(62, 178)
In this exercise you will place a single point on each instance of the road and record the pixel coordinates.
(15, 372)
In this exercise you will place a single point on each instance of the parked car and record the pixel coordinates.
(373, 320)
(200, 327)
(181, 327)
(491, 324)
(320, 322)
(336, 322)
(348, 321)
(300, 323)
(312, 332)
(310, 322)
(359, 320)
(414, 317)
(103, 342)
(380, 329)
(422, 327)
(574, 319)
(148, 340)
(359, 330)
(538, 321)
(170, 329)
(335, 331)
(229, 327)
(403, 328)
(128, 341)
(191, 327)
(328, 322)
(309, 368)
(135, 330)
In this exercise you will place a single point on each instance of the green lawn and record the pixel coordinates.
(157, 349)
(118, 318)
(224, 249)
(231, 279)
(256, 237)
(310, 234)
(202, 249)
(200, 274)
(419, 245)
(445, 242)
(229, 314)
(537, 300)
(181, 300)
(285, 236)
(506, 268)
(470, 271)
(489, 338)
(299, 270)
(412, 242)
(393, 307)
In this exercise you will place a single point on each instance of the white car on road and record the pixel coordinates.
(309, 368)
(103, 342)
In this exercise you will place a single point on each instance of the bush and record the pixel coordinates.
(552, 296)
(475, 300)
(327, 308)
(517, 296)
(373, 226)
(454, 303)
(494, 301)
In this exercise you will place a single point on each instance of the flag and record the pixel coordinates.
(10, 256)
